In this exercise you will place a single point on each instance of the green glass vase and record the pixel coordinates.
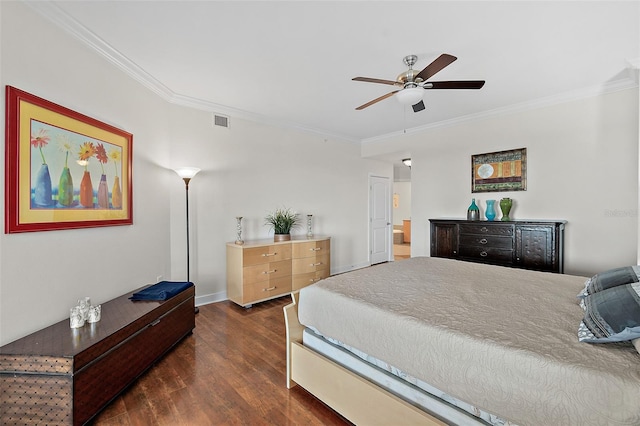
(505, 206)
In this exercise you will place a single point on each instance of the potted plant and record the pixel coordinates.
(282, 221)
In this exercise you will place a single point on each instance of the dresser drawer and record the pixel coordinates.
(487, 254)
(303, 280)
(266, 289)
(480, 241)
(310, 264)
(266, 271)
(479, 228)
(264, 254)
(311, 248)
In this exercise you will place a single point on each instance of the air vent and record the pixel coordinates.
(220, 120)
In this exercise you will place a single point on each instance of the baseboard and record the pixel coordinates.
(211, 298)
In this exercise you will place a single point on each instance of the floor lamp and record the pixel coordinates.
(187, 173)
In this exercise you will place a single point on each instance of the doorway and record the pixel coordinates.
(401, 212)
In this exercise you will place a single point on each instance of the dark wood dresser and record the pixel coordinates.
(64, 376)
(528, 244)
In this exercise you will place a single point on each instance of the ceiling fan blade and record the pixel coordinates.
(377, 100)
(418, 107)
(439, 63)
(468, 84)
(375, 80)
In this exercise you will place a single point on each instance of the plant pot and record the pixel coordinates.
(281, 237)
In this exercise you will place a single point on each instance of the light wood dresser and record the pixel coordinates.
(262, 269)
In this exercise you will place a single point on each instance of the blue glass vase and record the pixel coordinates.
(490, 212)
(42, 188)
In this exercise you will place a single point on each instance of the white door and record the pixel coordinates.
(379, 219)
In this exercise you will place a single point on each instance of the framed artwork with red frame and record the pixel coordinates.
(63, 169)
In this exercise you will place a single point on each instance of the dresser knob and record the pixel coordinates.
(483, 241)
(484, 229)
(483, 254)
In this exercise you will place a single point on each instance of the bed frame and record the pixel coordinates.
(355, 398)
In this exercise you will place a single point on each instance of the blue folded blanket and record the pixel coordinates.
(161, 291)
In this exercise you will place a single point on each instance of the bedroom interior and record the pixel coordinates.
(291, 136)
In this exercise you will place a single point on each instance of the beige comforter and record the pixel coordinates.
(503, 339)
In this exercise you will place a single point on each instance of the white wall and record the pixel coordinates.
(42, 274)
(582, 167)
(248, 170)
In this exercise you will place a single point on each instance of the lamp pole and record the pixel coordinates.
(187, 173)
(186, 187)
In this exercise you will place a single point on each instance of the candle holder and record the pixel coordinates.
(239, 240)
(94, 313)
(309, 226)
(76, 320)
(83, 305)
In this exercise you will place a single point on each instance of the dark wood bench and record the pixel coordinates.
(60, 375)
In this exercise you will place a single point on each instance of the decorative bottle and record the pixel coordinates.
(473, 212)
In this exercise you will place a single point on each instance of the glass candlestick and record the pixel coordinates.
(309, 227)
(239, 240)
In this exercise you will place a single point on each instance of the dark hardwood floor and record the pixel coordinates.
(230, 371)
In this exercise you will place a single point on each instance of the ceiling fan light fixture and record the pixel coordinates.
(410, 95)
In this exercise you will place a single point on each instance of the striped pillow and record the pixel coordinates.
(611, 315)
(609, 279)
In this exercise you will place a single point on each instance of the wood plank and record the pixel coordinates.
(232, 370)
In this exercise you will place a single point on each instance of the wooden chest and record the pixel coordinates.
(62, 376)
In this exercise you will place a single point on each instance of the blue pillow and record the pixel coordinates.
(611, 315)
(609, 279)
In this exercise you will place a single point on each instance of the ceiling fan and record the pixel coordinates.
(413, 83)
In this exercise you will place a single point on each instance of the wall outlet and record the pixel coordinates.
(159, 278)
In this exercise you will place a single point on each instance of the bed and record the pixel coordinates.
(492, 345)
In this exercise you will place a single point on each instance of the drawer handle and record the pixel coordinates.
(315, 249)
(483, 241)
(156, 322)
(483, 254)
(484, 229)
(316, 264)
(268, 254)
(269, 289)
(269, 272)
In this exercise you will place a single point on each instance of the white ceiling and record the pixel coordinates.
(291, 63)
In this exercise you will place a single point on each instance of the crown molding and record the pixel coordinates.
(60, 18)
(609, 87)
